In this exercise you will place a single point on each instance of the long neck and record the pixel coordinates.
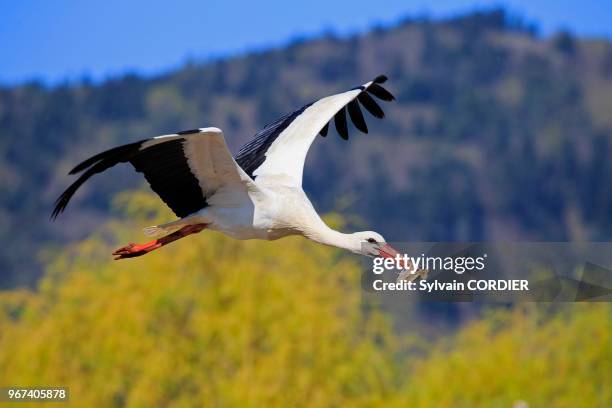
(321, 233)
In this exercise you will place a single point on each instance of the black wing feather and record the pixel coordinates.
(116, 151)
(381, 79)
(98, 167)
(164, 166)
(380, 92)
(324, 130)
(179, 188)
(370, 105)
(253, 154)
(357, 116)
(340, 122)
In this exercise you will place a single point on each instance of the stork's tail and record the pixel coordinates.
(153, 230)
(156, 230)
(169, 227)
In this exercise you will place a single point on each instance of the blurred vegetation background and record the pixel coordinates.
(226, 323)
(498, 134)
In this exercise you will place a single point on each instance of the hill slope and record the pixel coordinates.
(497, 134)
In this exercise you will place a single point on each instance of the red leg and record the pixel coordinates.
(133, 250)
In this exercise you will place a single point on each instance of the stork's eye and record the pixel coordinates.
(371, 240)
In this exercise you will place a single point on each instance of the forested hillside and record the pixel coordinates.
(498, 133)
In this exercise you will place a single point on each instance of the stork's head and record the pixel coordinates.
(372, 244)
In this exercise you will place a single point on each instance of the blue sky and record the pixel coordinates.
(67, 39)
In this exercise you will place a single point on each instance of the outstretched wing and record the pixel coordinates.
(184, 169)
(280, 148)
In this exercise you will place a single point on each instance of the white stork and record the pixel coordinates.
(256, 195)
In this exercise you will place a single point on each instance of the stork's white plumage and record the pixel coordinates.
(256, 195)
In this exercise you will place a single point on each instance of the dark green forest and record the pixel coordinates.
(498, 133)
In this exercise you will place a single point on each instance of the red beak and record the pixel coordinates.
(387, 251)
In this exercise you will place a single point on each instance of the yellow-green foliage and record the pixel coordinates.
(209, 321)
(547, 357)
(204, 321)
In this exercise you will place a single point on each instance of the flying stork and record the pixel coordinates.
(255, 195)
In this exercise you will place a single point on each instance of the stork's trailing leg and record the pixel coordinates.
(133, 250)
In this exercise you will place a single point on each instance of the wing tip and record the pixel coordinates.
(82, 166)
(378, 91)
(60, 206)
(381, 79)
